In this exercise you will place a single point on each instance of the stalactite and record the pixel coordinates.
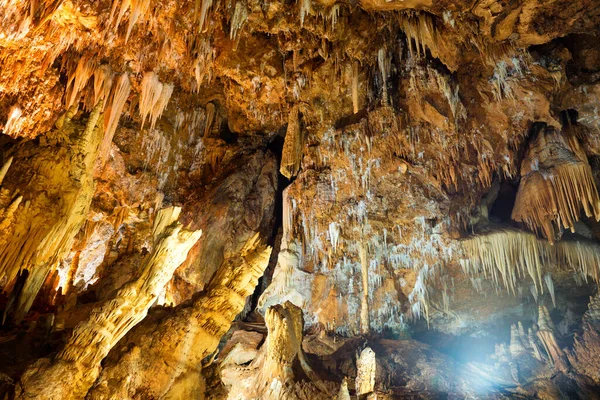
(504, 255)
(556, 182)
(209, 120)
(14, 121)
(78, 79)
(334, 14)
(291, 157)
(420, 33)
(534, 292)
(334, 235)
(305, 9)
(79, 361)
(103, 80)
(384, 64)
(154, 98)
(240, 15)
(288, 215)
(201, 10)
(121, 91)
(44, 230)
(355, 87)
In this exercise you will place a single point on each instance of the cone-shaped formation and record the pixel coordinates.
(78, 364)
(556, 182)
(366, 369)
(291, 156)
(546, 336)
(507, 254)
(516, 346)
(281, 369)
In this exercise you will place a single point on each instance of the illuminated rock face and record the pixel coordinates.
(368, 176)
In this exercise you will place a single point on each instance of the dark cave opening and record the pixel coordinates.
(502, 208)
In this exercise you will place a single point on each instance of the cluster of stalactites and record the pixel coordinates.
(507, 254)
(107, 86)
(154, 98)
(556, 183)
(137, 10)
(420, 33)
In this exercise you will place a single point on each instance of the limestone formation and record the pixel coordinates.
(78, 363)
(165, 359)
(556, 182)
(397, 199)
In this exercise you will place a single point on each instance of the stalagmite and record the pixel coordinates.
(535, 349)
(291, 157)
(366, 368)
(343, 394)
(592, 315)
(76, 367)
(284, 345)
(204, 8)
(556, 182)
(103, 80)
(516, 346)
(524, 338)
(546, 336)
(44, 231)
(166, 363)
(550, 286)
(384, 64)
(288, 215)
